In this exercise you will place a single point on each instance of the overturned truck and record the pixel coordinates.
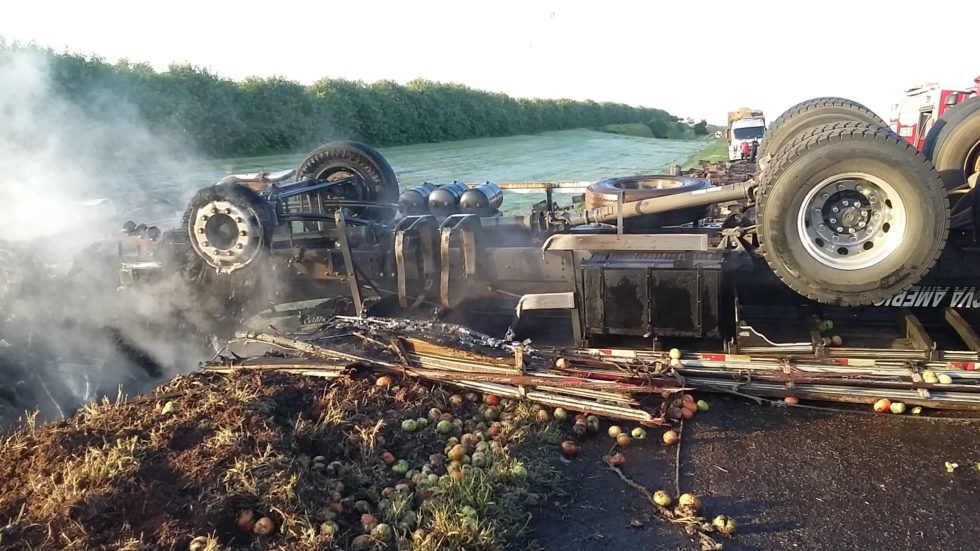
(835, 262)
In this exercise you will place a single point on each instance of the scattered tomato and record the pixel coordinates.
(492, 400)
(670, 438)
(593, 423)
(445, 426)
(945, 379)
(569, 448)
(368, 522)
(662, 498)
(614, 431)
(675, 354)
(724, 524)
(617, 460)
(264, 526)
(639, 433)
(457, 453)
(689, 501)
(791, 400)
(561, 414)
(400, 467)
(702, 405)
(883, 406)
(388, 458)
(687, 413)
(623, 439)
(897, 408)
(383, 381)
(382, 532)
(246, 521)
(410, 425)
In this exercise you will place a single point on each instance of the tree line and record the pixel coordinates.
(223, 117)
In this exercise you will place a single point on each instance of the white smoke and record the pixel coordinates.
(70, 174)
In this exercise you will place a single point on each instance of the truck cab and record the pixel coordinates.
(743, 130)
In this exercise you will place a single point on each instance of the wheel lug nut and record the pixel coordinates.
(826, 196)
(846, 203)
(205, 244)
(821, 227)
(833, 220)
(862, 224)
(214, 210)
(200, 230)
(835, 210)
(851, 231)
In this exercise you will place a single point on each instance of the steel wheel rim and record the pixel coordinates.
(852, 221)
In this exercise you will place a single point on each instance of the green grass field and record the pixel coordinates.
(568, 155)
(712, 150)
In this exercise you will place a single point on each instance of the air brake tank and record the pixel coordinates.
(414, 201)
(482, 200)
(444, 200)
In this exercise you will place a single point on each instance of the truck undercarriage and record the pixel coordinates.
(832, 271)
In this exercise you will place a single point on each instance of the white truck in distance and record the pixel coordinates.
(744, 126)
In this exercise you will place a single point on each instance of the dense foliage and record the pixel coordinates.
(263, 115)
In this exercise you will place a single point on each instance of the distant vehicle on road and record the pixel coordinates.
(745, 125)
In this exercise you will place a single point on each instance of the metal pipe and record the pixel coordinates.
(656, 205)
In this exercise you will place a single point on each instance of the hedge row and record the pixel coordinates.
(223, 117)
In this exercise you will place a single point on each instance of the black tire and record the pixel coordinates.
(635, 188)
(245, 234)
(337, 160)
(807, 114)
(953, 146)
(861, 274)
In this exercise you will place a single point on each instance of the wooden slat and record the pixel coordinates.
(963, 329)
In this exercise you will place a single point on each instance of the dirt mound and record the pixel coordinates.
(320, 460)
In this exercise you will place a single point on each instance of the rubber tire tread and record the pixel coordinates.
(847, 132)
(948, 144)
(809, 108)
(604, 193)
(363, 159)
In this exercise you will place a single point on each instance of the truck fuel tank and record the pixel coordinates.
(444, 200)
(482, 200)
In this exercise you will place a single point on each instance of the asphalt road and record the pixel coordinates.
(791, 478)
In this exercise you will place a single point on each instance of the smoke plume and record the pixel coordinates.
(73, 170)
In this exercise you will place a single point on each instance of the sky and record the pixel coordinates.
(696, 59)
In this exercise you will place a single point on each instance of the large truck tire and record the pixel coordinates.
(229, 226)
(849, 217)
(953, 146)
(807, 114)
(635, 188)
(338, 160)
